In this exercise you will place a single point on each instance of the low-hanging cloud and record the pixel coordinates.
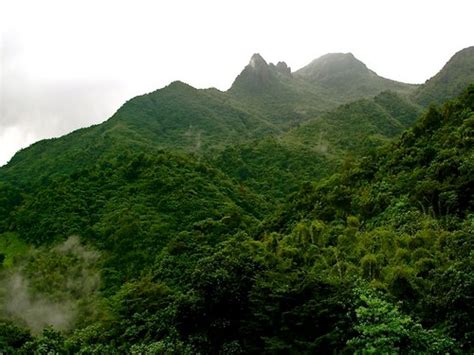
(35, 311)
(74, 291)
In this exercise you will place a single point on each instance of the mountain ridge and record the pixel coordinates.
(180, 116)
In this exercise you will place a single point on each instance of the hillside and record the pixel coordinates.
(186, 266)
(402, 220)
(278, 165)
(130, 206)
(182, 117)
(273, 167)
(355, 127)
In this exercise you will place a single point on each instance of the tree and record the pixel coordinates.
(383, 329)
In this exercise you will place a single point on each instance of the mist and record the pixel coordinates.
(35, 301)
(34, 310)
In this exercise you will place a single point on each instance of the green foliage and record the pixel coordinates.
(11, 248)
(273, 167)
(49, 342)
(382, 329)
(126, 214)
(355, 127)
(12, 337)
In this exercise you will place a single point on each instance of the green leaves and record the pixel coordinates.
(382, 328)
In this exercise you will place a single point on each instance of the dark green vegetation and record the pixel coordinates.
(353, 128)
(265, 219)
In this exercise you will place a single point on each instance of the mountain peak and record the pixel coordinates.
(178, 83)
(469, 51)
(283, 68)
(346, 76)
(259, 76)
(332, 64)
(257, 61)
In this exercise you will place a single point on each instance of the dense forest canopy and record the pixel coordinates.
(326, 210)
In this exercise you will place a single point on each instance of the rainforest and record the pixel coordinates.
(326, 210)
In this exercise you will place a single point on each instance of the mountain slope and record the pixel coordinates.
(273, 167)
(453, 78)
(276, 166)
(177, 117)
(357, 126)
(430, 167)
(402, 220)
(180, 116)
(378, 257)
(129, 207)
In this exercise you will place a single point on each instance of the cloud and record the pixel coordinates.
(35, 311)
(32, 109)
(73, 289)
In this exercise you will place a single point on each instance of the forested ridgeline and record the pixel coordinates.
(171, 255)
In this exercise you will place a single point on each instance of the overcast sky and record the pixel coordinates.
(69, 64)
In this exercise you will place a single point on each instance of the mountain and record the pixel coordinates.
(347, 78)
(258, 76)
(453, 78)
(281, 216)
(132, 200)
(180, 116)
(190, 262)
(264, 99)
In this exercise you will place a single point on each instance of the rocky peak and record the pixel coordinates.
(282, 68)
(257, 61)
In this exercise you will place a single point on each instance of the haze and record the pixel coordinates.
(66, 65)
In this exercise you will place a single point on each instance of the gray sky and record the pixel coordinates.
(69, 64)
